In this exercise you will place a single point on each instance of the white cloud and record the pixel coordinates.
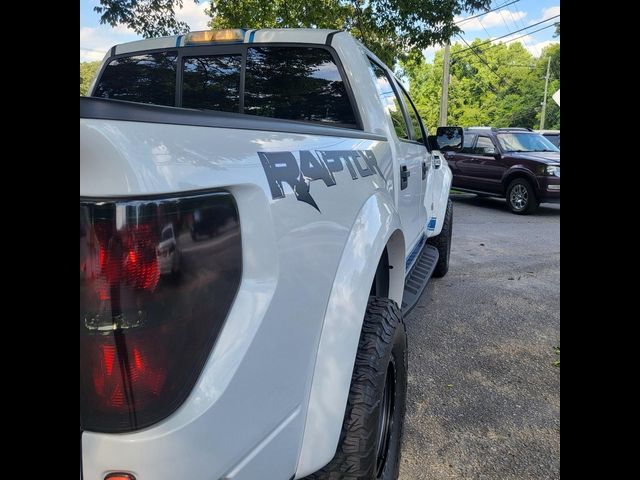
(490, 20)
(96, 41)
(546, 14)
(528, 41)
(193, 14)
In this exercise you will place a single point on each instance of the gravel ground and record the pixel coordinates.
(484, 396)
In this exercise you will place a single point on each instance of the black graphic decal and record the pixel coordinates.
(282, 167)
(314, 169)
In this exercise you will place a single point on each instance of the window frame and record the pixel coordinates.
(392, 81)
(241, 48)
(424, 130)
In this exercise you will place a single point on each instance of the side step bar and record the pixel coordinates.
(418, 277)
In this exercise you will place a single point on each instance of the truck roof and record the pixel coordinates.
(262, 35)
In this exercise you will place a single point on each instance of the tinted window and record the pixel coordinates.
(484, 146)
(212, 82)
(296, 83)
(469, 139)
(525, 142)
(415, 118)
(149, 78)
(389, 100)
(553, 138)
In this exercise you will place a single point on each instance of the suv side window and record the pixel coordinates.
(212, 82)
(389, 99)
(416, 121)
(147, 78)
(484, 146)
(296, 83)
(469, 140)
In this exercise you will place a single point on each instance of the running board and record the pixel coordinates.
(418, 277)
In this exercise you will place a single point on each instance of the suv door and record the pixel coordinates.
(410, 153)
(460, 162)
(486, 166)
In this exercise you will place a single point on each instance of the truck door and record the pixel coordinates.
(410, 153)
(427, 203)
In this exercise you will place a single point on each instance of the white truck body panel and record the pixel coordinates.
(271, 398)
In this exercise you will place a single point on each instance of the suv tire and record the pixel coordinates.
(521, 197)
(369, 444)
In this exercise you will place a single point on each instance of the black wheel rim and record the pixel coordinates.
(385, 422)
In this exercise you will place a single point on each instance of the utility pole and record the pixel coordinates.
(544, 102)
(444, 98)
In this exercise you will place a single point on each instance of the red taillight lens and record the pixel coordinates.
(153, 297)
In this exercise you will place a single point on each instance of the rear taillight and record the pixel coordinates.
(157, 279)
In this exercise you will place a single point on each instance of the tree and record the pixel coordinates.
(391, 28)
(496, 85)
(88, 70)
(557, 32)
(149, 18)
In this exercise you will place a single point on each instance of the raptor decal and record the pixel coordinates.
(283, 167)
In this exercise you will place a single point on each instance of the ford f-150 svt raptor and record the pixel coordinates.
(258, 209)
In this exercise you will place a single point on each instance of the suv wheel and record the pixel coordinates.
(369, 445)
(442, 242)
(521, 197)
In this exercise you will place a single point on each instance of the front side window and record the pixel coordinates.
(148, 78)
(415, 118)
(390, 100)
(485, 146)
(296, 83)
(469, 140)
(212, 82)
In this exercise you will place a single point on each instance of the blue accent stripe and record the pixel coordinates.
(251, 35)
(178, 40)
(414, 253)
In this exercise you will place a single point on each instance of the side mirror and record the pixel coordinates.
(432, 142)
(449, 138)
(496, 155)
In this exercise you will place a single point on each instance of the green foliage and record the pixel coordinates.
(504, 90)
(88, 70)
(149, 18)
(390, 28)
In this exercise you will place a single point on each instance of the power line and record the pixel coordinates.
(488, 11)
(473, 47)
(537, 52)
(473, 50)
(503, 36)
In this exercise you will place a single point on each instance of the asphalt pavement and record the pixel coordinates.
(483, 397)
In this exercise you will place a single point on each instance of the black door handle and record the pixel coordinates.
(404, 177)
(424, 169)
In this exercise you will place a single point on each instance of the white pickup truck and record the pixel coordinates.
(258, 210)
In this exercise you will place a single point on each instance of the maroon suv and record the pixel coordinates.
(515, 163)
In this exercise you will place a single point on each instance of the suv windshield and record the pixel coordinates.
(525, 142)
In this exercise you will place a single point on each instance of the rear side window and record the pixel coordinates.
(148, 78)
(390, 100)
(212, 82)
(296, 83)
(469, 139)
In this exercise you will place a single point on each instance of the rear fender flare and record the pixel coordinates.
(376, 226)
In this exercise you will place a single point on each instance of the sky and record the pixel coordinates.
(96, 39)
